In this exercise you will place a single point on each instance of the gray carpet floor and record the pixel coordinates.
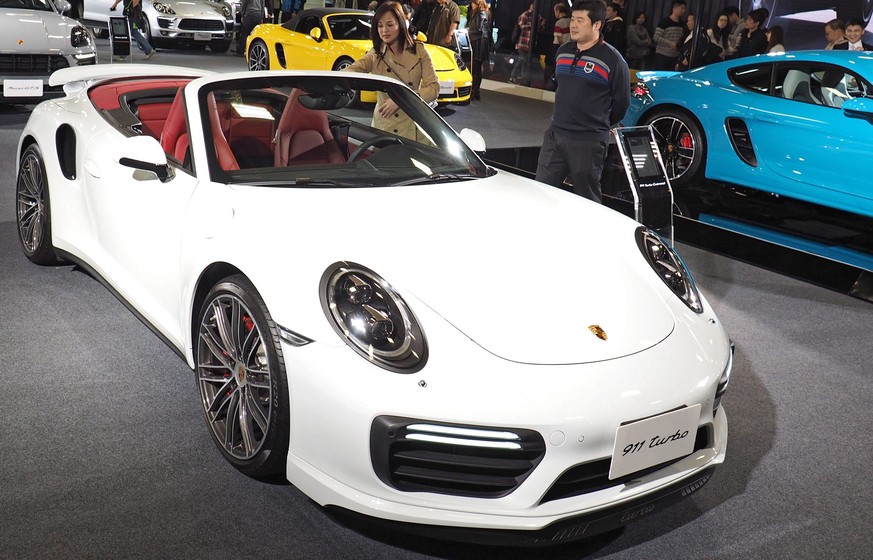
(104, 453)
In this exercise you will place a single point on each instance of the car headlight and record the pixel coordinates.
(372, 318)
(225, 11)
(668, 265)
(460, 62)
(725, 379)
(164, 8)
(80, 37)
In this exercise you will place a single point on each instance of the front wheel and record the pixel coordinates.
(259, 56)
(219, 47)
(34, 209)
(241, 376)
(682, 145)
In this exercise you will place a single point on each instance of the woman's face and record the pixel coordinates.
(722, 22)
(389, 30)
(690, 23)
(641, 19)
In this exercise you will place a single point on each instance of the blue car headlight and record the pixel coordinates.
(80, 37)
(668, 265)
(372, 318)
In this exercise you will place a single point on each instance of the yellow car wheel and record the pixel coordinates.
(259, 56)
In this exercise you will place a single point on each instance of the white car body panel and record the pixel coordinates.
(505, 276)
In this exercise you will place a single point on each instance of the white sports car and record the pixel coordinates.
(35, 40)
(397, 328)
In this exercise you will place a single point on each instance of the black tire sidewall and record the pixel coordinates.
(45, 253)
(271, 459)
(695, 171)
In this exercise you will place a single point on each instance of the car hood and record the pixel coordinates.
(33, 31)
(443, 59)
(189, 8)
(526, 271)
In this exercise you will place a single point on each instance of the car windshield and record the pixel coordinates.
(350, 27)
(40, 5)
(310, 132)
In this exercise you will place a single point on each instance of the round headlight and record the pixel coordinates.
(372, 318)
(80, 37)
(668, 265)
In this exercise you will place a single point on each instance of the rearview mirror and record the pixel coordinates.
(473, 140)
(315, 33)
(858, 108)
(144, 153)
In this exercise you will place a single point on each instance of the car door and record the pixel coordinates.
(801, 135)
(302, 51)
(139, 220)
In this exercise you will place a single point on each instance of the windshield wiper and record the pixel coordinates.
(434, 178)
(302, 182)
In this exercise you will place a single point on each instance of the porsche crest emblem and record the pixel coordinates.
(588, 68)
(241, 374)
(597, 331)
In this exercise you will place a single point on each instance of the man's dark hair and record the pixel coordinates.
(731, 11)
(596, 10)
(760, 15)
(855, 21)
(678, 3)
(837, 25)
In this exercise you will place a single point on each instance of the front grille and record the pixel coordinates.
(459, 92)
(31, 64)
(484, 462)
(594, 476)
(201, 25)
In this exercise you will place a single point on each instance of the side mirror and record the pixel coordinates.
(421, 37)
(144, 153)
(473, 140)
(315, 33)
(859, 108)
(63, 6)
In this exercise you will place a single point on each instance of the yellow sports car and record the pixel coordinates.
(333, 38)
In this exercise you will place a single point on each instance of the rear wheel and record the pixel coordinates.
(241, 377)
(34, 208)
(682, 145)
(259, 56)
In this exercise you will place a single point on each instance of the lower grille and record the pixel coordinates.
(201, 25)
(31, 64)
(594, 476)
(459, 92)
(419, 456)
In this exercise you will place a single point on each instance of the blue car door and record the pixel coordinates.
(812, 150)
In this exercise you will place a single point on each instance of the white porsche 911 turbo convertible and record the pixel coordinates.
(400, 330)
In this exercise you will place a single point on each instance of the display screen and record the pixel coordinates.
(640, 150)
(119, 27)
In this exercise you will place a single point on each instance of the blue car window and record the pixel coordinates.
(753, 78)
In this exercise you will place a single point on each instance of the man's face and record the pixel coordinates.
(581, 28)
(610, 13)
(854, 33)
(833, 35)
(679, 10)
(751, 24)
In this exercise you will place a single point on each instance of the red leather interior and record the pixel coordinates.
(175, 128)
(304, 136)
(153, 116)
(226, 159)
(106, 96)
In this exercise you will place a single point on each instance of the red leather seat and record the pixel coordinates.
(174, 138)
(226, 159)
(304, 137)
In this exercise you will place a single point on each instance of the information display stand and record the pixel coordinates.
(647, 179)
(119, 37)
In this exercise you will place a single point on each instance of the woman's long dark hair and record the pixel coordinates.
(720, 35)
(395, 9)
(777, 37)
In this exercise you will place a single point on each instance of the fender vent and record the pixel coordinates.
(738, 132)
(483, 462)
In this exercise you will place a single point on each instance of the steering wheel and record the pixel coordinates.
(375, 141)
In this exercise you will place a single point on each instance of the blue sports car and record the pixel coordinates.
(797, 125)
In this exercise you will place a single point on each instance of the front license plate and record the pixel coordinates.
(22, 88)
(656, 440)
(202, 36)
(447, 88)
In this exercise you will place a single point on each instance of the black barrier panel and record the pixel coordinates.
(119, 36)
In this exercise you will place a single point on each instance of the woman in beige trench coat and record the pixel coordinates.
(395, 54)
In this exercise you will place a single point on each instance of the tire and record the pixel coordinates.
(240, 373)
(219, 47)
(259, 56)
(34, 208)
(682, 144)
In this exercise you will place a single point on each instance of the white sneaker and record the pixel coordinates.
(151, 54)
(118, 58)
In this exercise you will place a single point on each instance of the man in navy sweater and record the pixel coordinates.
(593, 95)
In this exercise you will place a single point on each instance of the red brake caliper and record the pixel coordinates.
(686, 141)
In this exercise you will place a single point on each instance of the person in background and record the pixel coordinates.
(685, 61)
(854, 37)
(835, 32)
(522, 45)
(444, 20)
(737, 27)
(754, 40)
(480, 33)
(719, 36)
(668, 38)
(560, 35)
(639, 42)
(252, 16)
(421, 16)
(133, 11)
(775, 39)
(615, 30)
(397, 55)
(592, 97)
